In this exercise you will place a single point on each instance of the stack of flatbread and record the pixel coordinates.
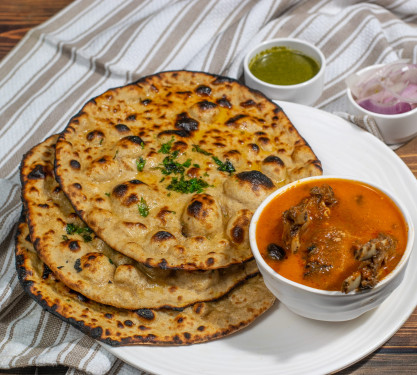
(136, 217)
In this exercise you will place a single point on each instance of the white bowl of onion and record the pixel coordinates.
(388, 94)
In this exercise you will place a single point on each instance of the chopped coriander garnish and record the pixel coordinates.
(143, 208)
(140, 164)
(87, 238)
(115, 155)
(108, 194)
(187, 163)
(166, 147)
(187, 186)
(111, 261)
(101, 141)
(224, 167)
(72, 228)
(169, 165)
(75, 229)
(197, 148)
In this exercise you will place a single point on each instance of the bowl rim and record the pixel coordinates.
(276, 42)
(391, 276)
(375, 114)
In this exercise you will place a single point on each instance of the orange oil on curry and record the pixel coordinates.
(361, 213)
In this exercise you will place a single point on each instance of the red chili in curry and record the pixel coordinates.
(332, 234)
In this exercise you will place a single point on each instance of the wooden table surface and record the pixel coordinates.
(397, 356)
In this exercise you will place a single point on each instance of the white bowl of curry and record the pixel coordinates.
(331, 248)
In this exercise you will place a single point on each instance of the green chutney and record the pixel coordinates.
(283, 66)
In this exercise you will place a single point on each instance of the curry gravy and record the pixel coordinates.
(360, 214)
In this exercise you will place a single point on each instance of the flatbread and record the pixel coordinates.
(169, 170)
(89, 266)
(195, 324)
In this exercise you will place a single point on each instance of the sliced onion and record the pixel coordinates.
(393, 109)
(391, 89)
(364, 84)
(400, 80)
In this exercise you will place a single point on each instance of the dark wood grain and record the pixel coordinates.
(408, 153)
(397, 356)
(17, 17)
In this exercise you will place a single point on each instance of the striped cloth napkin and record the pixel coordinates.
(93, 45)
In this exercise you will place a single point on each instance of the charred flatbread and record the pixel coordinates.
(169, 170)
(201, 322)
(89, 266)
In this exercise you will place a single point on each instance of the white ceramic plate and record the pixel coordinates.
(281, 342)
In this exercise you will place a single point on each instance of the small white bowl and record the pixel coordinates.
(393, 128)
(329, 305)
(303, 93)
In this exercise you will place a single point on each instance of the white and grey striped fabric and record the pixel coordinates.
(93, 45)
